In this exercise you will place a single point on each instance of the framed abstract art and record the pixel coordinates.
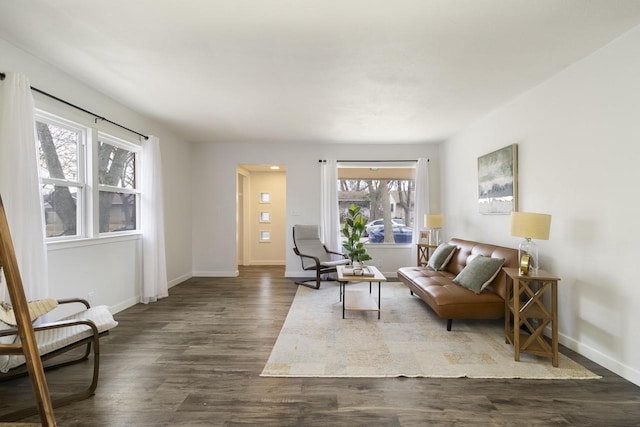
(498, 181)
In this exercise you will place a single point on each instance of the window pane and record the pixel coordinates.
(117, 211)
(390, 198)
(116, 166)
(60, 210)
(58, 151)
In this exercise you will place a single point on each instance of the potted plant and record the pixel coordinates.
(353, 228)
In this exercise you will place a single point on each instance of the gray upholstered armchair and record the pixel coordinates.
(313, 254)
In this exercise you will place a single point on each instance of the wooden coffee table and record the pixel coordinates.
(359, 300)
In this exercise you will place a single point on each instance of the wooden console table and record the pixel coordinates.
(524, 304)
(423, 253)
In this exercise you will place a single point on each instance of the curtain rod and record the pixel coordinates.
(97, 116)
(371, 161)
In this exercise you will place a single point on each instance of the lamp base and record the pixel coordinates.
(434, 236)
(528, 257)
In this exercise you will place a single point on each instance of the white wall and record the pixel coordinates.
(214, 171)
(579, 146)
(110, 268)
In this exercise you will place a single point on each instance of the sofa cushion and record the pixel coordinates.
(479, 273)
(449, 300)
(441, 256)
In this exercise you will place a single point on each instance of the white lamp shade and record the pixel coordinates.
(433, 220)
(530, 225)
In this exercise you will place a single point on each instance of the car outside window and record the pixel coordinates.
(383, 194)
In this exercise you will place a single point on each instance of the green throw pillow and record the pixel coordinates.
(479, 273)
(441, 256)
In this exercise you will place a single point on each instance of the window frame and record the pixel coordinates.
(80, 184)
(376, 166)
(136, 150)
(87, 203)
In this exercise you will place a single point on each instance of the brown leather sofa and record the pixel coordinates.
(451, 301)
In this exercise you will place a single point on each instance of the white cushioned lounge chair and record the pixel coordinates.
(314, 255)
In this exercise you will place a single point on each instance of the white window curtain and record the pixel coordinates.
(20, 184)
(329, 213)
(421, 206)
(154, 279)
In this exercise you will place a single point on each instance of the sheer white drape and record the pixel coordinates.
(329, 213)
(19, 183)
(421, 206)
(154, 279)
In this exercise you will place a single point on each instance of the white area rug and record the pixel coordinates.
(409, 340)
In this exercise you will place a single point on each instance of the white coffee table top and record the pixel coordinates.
(373, 276)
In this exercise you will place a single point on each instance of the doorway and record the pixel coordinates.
(261, 214)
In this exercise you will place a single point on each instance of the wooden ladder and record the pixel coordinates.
(27, 346)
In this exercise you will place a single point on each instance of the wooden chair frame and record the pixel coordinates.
(93, 339)
(28, 345)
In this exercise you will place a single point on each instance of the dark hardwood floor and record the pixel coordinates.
(195, 358)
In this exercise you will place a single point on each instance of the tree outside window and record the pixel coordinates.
(64, 168)
(60, 151)
(386, 198)
(117, 185)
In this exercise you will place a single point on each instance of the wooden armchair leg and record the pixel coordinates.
(76, 397)
(308, 284)
(313, 284)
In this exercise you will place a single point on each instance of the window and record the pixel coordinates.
(68, 189)
(119, 196)
(61, 160)
(386, 194)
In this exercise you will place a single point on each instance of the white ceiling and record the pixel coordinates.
(357, 71)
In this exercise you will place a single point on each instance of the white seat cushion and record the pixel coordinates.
(52, 339)
(335, 263)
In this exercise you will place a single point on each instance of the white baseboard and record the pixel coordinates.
(626, 372)
(130, 302)
(216, 273)
(179, 280)
(124, 305)
(267, 262)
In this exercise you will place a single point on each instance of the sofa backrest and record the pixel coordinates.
(467, 248)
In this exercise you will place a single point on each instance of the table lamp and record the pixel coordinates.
(434, 223)
(530, 226)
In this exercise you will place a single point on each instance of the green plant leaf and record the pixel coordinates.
(353, 228)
